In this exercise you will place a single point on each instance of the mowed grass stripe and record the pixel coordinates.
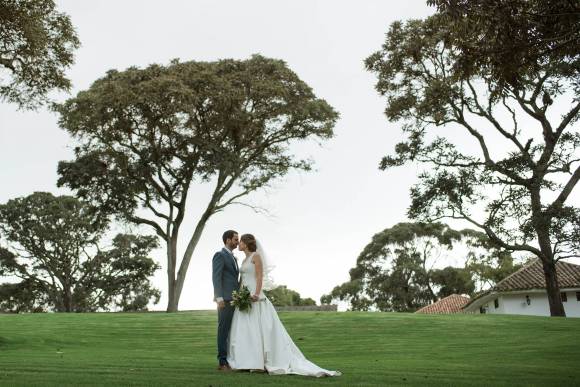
(157, 349)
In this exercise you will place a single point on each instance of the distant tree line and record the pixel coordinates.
(398, 270)
(282, 296)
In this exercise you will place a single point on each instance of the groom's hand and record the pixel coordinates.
(221, 304)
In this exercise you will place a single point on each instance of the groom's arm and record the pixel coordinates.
(217, 277)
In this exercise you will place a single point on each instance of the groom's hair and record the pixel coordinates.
(228, 235)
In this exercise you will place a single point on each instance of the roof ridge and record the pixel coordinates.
(455, 294)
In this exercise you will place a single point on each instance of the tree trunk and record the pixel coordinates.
(173, 301)
(430, 289)
(554, 298)
(550, 274)
(180, 280)
(541, 222)
(175, 283)
(67, 298)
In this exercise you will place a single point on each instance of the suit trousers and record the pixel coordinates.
(225, 316)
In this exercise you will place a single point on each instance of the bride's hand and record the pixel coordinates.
(255, 298)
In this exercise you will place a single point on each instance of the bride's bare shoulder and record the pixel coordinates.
(256, 257)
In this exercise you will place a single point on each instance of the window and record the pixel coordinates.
(496, 303)
(564, 297)
(577, 296)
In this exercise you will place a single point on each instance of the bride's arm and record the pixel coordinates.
(259, 274)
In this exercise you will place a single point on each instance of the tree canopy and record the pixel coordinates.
(513, 39)
(36, 47)
(519, 196)
(146, 136)
(55, 252)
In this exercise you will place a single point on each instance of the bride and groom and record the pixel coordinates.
(253, 340)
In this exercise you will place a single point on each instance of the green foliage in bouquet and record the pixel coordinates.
(242, 299)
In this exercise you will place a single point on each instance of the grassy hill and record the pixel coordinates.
(158, 349)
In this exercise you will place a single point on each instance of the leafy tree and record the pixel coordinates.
(24, 296)
(513, 39)
(488, 269)
(282, 296)
(395, 271)
(518, 197)
(54, 250)
(36, 47)
(147, 135)
(453, 280)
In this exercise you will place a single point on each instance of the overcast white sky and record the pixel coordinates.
(320, 221)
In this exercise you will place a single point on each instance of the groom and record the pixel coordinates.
(225, 273)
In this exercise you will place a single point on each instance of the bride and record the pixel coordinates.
(258, 340)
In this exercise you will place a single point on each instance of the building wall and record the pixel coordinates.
(516, 304)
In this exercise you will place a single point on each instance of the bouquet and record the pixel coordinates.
(242, 299)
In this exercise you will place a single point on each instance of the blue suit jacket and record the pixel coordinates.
(224, 275)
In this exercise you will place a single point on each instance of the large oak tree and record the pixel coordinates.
(516, 186)
(146, 136)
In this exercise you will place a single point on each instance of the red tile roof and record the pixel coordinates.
(450, 304)
(531, 276)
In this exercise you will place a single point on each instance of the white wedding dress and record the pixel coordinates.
(259, 341)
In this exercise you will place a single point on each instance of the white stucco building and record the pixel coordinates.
(524, 292)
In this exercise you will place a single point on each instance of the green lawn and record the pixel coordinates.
(158, 349)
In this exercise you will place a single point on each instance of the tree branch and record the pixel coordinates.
(568, 188)
(139, 220)
(489, 163)
(494, 237)
(487, 115)
(567, 119)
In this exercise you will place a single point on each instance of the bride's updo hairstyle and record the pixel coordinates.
(250, 241)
